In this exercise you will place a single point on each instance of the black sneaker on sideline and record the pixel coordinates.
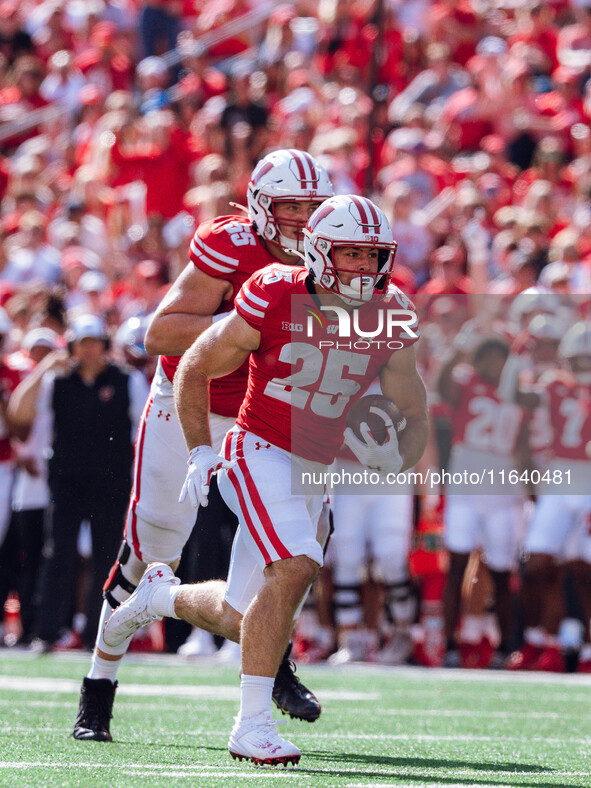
(95, 710)
(291, 696)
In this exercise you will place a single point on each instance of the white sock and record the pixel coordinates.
(106, 668)
(534, 635)
(163, 599)
(471, 630)
(255, 695)
(103, 668)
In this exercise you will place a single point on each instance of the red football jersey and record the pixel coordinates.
(481, 420)
(569, 405)
(9, 380)
(225, 248)
(303, 378)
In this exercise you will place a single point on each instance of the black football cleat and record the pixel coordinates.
(95, 710)
(291, 696)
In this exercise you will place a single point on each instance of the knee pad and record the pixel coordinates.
(401, 602)
(389, 567)
(124, 576)
(347, 604)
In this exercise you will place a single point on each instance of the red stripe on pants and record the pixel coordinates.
(137, 482)
(258, 504)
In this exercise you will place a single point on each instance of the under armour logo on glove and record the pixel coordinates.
(203, 464)
(153, 577)
(262, 445)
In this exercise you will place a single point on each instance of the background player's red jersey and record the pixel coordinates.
(569, 405)
(301, 387)
(481, 420)
(9, 380)
(225, 248)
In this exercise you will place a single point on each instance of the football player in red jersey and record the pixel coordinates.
(286, 186)
(9, 380)
(486, 436)
(560, 528)
(292, 421)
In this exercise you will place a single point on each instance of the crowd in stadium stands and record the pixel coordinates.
(125, 123)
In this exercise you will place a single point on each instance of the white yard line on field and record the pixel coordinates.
(376, 712)
(402, 737)
(207, 691)
(239, 772)
(144, 768)
(457, 674)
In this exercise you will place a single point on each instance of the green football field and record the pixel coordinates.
(404, 727)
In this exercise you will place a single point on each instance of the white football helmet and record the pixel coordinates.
(532, 301)
(575, 349)
(129, 337)
(545, 331)
(288, 176)
(546, 328)
(348, 220)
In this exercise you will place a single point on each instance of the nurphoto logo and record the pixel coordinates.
(389, 322)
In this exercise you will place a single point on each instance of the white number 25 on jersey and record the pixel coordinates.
(334, 390)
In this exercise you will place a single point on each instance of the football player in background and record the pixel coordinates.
(286, 186)
(9, 380)
(487, 434)
(369, 550)
(292, 421)
(559, 530)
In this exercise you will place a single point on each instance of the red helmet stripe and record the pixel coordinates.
(263, 171)
(299, 160)
(374, 213)
(320, 214)
(362, 213)
(367, 212)
(313, 172)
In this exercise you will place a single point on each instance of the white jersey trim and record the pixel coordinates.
(223, 258)
(224, 269)
(254, 298)
(243, 305)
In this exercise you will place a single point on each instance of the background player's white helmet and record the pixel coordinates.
(533, 301)
(545, 333)
(130, 337)
(546, 327)
(348, 220)
(288, 176)
(575, 349)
